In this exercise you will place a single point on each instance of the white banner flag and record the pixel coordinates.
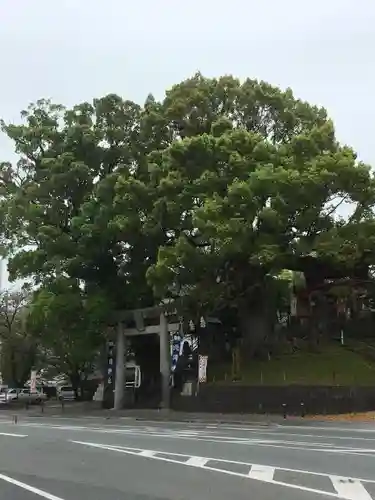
(202, 370)
(33, 381)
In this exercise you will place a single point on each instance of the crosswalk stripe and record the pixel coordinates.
(349, 488)
(262, 472)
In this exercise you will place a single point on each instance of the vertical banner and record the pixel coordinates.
(33, 381)
(109, 372)
(293, 305)
(111, 364)
(202, 368)
(176, 339)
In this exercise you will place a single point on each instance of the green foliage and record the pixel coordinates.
(332, 365)
(243, 208)
(19, 350)
(69, 324)
(56, 205)
(206, 196)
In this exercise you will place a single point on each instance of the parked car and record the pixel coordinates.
(24, 395)
(66, 393)
(3, 394)
(11, 394)
(31, 396)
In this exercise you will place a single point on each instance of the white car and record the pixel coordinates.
(3, 395)
(66, 393)
(11, 395)
(25, 395)
(32, 396)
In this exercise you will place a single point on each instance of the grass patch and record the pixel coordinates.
(334, 365)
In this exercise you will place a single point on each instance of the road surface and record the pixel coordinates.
(94, 458)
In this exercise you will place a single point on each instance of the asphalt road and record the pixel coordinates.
(94, 458)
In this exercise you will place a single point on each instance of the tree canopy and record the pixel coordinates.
(69, 325)
(18, 347)
(206, 195)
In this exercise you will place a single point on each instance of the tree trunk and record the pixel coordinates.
(255, 328)
(75, 379)
(13, 368)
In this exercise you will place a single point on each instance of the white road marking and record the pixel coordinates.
(326, 428)
(350, 489)
(315, 436)
(186, 432)
(27, 487)
(148, 432)
(262, 472)
(196, 461)
(261, 428)
(147, 453)
(13, 435)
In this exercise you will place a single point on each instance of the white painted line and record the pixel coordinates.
(27, 487)
(277, 433)
(193, 436)
(262, 472)
(311, 447)
(349, 489)
(187, 433)
(326, 428)
(196, 461)
(136, 451)
(254, 428)
(147, 453)
(13, 435)
(214, 469)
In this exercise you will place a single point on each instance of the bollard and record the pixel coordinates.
(284, 410)
(15, 419)
(42, 406)
(303, 410)
(62, 404)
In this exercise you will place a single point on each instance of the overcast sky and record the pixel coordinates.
(74, 50)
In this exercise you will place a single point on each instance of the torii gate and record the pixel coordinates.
(162, 329)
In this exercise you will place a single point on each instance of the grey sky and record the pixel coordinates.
(73, 50)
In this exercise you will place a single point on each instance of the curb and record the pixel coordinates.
(202, 421)
(151, 418)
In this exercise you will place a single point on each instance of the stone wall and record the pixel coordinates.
(294, 399)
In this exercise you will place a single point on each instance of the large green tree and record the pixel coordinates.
(56, 203)
(56, 220)
(69, 324)
(19, 351)
(210, 193)
(251, 184)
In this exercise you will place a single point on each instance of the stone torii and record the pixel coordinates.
(162, 329)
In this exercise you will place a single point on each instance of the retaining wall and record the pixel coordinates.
(294, 399)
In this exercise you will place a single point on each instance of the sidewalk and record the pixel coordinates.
(90, 410)
(82, 410)
(177, 416)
